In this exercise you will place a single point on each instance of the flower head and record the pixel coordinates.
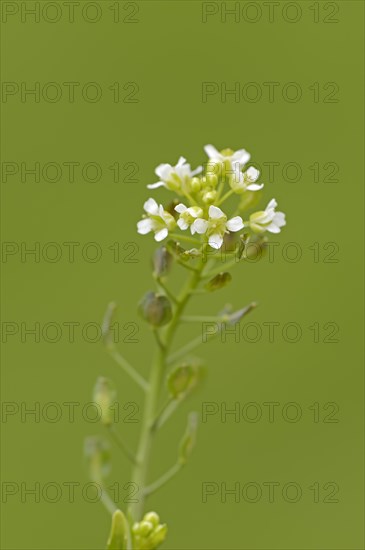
(268, 219)
(246, 181)
(175, 178)
(216, 226)
(188, 216)
(157, 220)
(231, 160)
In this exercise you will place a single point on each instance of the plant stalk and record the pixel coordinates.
(140, 470)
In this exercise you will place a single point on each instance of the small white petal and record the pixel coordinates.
(215, 213)
(253, 174)
(235, 224)
(241, 156)
(163, 171)
(200, 226)
(182, 224)
(254, 187)
(155, 185)
(180, 162)
(161, 235)
(197, 171)
(272, 228)
(151, 207)
(144, 226)
(212, 152)
(279, 219)
(272, 204)
(195, 211)
(181, 208)
(215, 241)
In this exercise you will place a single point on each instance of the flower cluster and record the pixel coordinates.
(204, 194)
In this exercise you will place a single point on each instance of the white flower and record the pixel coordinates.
(246, 181)
(175, 178)
(157, 220)
(188, 216)
(217, 226)
(268, 219)
(232, 160)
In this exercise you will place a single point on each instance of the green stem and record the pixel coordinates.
(185, 238)
(140, 471)
(163, 479)
(228, 194)
(131, 371)
(122, 446)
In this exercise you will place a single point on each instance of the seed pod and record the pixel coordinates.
(183, 379)
(188, 441)
(162, 261)
(219, 281)
(155, 309)
(104, 396)
(97, 453)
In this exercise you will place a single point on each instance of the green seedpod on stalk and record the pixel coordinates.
(183, 379)
(188, 441)
(97, 454)
(255, 248)
(119, 534)
(155, 309)
(219, 281)
(104, 396)
(162, 261)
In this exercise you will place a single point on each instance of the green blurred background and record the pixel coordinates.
(169, 52)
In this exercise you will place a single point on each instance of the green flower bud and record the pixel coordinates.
(211, 180)
(219, 281)
(153, 518)
(188, 441)
(145, 529)
(195, 185)
(148, 534)
(162, 261)
(155, 309)
(119, 534)
(209, 197)
(97, 453)
(182, 380)
(158, 535)
(104, 396)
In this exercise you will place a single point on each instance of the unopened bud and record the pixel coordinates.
(209, 197)
(211, 180)
(155, 309)
(195, 185)
(145, 528)
(153, 518)
(158, 535)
